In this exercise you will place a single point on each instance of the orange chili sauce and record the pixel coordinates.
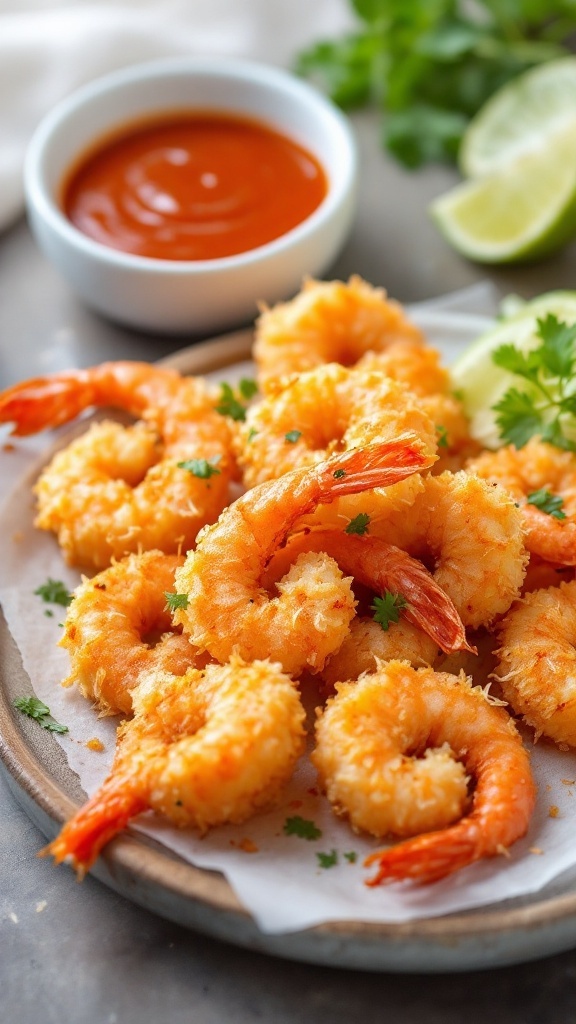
(193, 187)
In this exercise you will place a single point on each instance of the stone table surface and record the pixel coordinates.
(81, 954)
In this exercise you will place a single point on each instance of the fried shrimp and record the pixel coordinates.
(467, 531)
(203, 749)
(382, 568)
(394, 752)
(117, 490)
(119, 629)
(327, 322)
(228, 610)
(368, 645)
(323, 411)
(537, 667)
(537, 467)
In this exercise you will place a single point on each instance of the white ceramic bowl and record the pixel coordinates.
(200, 296)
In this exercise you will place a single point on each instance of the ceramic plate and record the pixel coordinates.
(149, 875)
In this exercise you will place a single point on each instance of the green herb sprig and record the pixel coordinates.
(388, 608)
(54, 592)
(301, 827)
(429, 65)
(547, 502)
(546, 404)
(233, 402)
(40, 712)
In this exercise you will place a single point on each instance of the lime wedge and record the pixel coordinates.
(477, 379)
(525, 210)
(524, 116)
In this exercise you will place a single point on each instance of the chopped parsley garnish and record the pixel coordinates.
(54, 592)
(36, 709)
(351, 856)
(251, 434)
(442, 436)
(547, 502)
(339, 474)
(247, 388)
(301, 827)
(546, 405)
(387, 608)
(174, 601)
(292, 436)
(229, 404)
(202, 468)
(359, 524)
(327, 860)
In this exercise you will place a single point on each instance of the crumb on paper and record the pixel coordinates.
(246, 845)
(548, 787)
(536, 850)
(8, 447)
(18, 537)
(503, 850)
(568, 782)
(40, 906)
(13, 917)
(553, 811)
(95, 744)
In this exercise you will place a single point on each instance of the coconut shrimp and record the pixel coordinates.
(119, 628)
(537, 667)
(537, 467)
(227, 608)
(395, 751)
(469, 532)
(381, 567)
(328, 321)
(323, 411)
(368, 645)
(203, 749)
(115, 490)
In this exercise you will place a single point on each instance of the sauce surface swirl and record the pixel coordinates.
(193, 187)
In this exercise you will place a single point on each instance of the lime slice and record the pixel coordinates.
(524, 116)
(476, 378)
(525, 210)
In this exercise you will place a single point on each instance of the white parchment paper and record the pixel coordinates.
(278, 877)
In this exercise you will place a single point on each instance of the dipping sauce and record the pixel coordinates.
(193, 187)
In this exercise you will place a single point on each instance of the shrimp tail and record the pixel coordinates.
(428, 606)
(44, 402)
(427, 858)
(96, 823)
(380, 464)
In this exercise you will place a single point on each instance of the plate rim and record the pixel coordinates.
(138, 856)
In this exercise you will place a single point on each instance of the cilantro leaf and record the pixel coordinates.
(518, 417)
(387, 609)
(229, 405)
(327, 860)
(301, 827)
(174, 601)
(557, 350)
(547, 502)
(36, 709)
(359, 525)
(428, 67)
(351, 856)
(202, 468)
(545, 407)
(442, 436)
(292, 436)
(54, 592)
(247, 388)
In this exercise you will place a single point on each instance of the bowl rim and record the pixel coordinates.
(41, 202)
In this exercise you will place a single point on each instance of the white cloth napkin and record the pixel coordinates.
(47, 49)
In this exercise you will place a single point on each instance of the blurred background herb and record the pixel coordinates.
(429, 65)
